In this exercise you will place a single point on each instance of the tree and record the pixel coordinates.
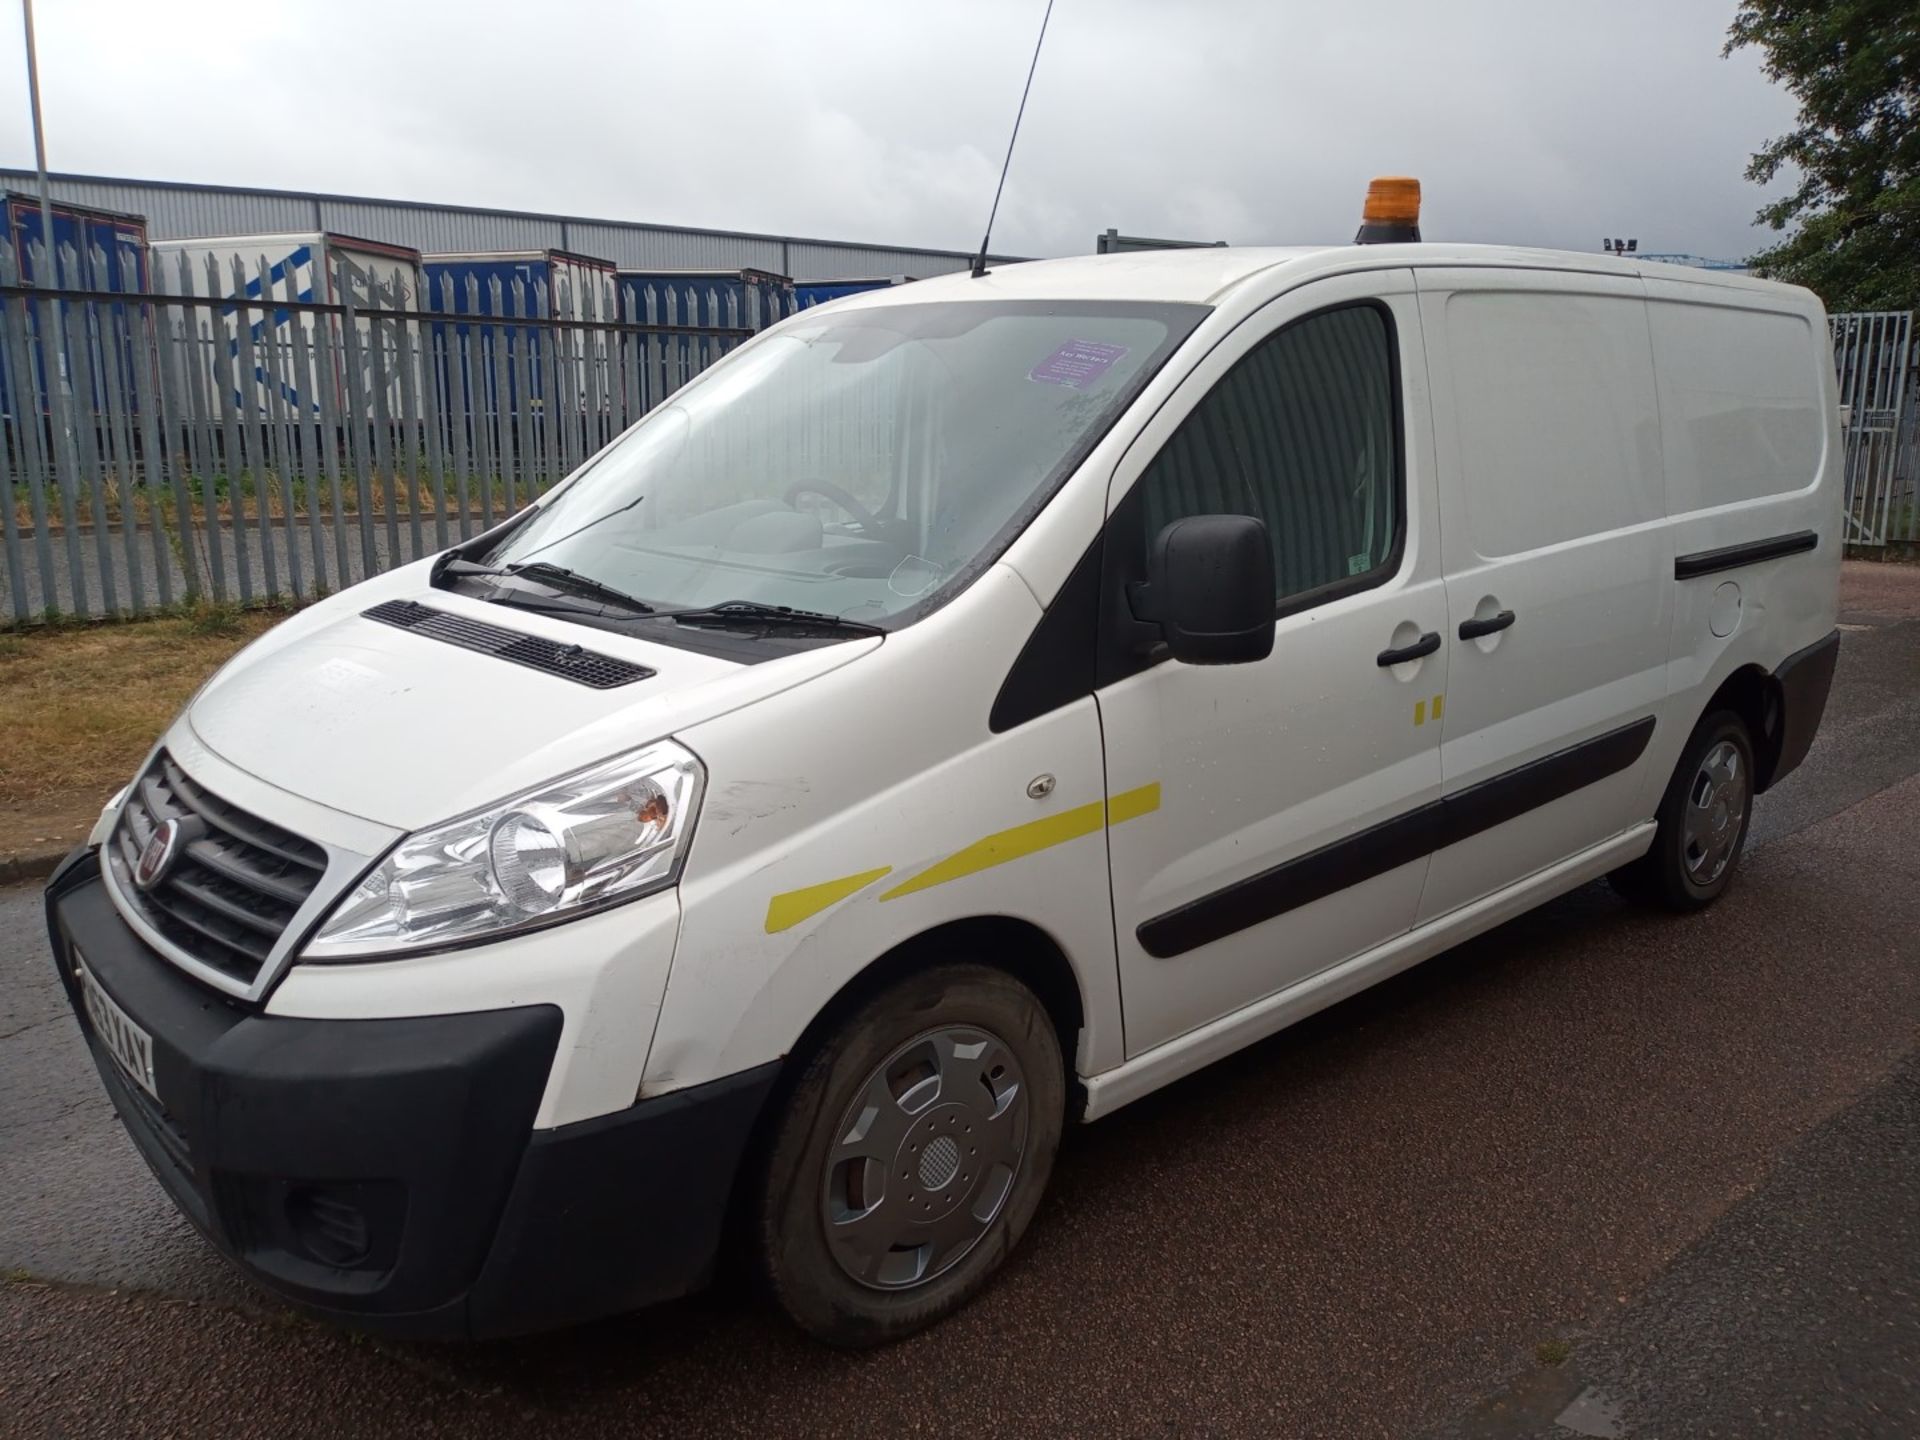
(1854, 66)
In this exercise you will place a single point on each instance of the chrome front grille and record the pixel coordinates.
(236, 885)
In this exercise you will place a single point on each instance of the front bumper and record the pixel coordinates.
(386, 1173)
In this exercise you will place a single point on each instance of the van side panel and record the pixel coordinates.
(1553, 513)
(1750, 433)
(877, 807)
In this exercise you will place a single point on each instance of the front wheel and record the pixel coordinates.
(911, 1154)
(1703, 820)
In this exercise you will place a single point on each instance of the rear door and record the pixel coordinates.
(1559, 568)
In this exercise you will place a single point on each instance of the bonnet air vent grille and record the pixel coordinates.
(569, 662)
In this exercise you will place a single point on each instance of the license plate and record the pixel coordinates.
(130, 1046)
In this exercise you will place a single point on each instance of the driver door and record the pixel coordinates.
(1291, 792)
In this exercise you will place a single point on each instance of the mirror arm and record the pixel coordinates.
(1147, 636)
(1143, 602)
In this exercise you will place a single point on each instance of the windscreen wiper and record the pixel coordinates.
(754, 612)
(571, 582)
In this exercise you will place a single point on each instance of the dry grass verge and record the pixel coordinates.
(80, 705)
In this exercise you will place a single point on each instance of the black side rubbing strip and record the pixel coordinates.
(1319, 873)
(1478, 808)
(569, 662)
(1393, 843)
(1732, 557)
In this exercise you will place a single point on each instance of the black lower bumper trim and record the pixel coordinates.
(1805, 678)
(620, 1211)
(386, 1173)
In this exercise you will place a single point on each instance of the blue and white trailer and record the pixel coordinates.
(120, 240)
(98, 250)
(711, 312)
(306, 267)
(705, 299)
(546, 283)
(808, 293)
(505, 285)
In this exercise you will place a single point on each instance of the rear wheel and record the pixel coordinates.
(1703, 820)
(911, 1154)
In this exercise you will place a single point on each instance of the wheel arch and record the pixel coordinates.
(1004, 942)
(1753, 694)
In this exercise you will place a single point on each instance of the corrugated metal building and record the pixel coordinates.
(175, 210)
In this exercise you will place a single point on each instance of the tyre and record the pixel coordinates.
(910, 1155)
(1703, 820)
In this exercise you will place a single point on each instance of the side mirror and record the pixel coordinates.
(1210, 589)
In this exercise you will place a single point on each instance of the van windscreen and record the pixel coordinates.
(863, 463)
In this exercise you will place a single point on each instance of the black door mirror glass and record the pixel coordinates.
(1210, 587)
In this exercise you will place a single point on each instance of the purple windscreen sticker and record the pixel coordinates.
(1077, 363)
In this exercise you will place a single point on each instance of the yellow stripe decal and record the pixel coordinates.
(788, 910)
(1419, 712)
(1035, 835)
(1132, 804)
(1439, 706)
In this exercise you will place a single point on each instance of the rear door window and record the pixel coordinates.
(1742, 402)
(1559, 432)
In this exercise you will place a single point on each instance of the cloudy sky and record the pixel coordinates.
(1533, 121)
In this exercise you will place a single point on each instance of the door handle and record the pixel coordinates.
(1419, 649)
(1492, 625)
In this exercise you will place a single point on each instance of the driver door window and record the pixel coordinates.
(1301, 434)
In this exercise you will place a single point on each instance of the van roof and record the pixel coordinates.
(1205, 275)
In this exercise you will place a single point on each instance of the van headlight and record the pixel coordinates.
(608, 833)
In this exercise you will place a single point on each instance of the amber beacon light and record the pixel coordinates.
(1392, 212)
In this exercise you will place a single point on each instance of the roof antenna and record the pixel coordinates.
(980, 260)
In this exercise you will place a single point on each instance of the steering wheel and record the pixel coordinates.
(868, 522)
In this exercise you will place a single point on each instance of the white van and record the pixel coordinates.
(964, 710)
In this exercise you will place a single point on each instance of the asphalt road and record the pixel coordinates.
(1685, 1150)
(1798, 1314)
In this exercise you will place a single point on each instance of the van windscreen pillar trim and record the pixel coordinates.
(1393, 843)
